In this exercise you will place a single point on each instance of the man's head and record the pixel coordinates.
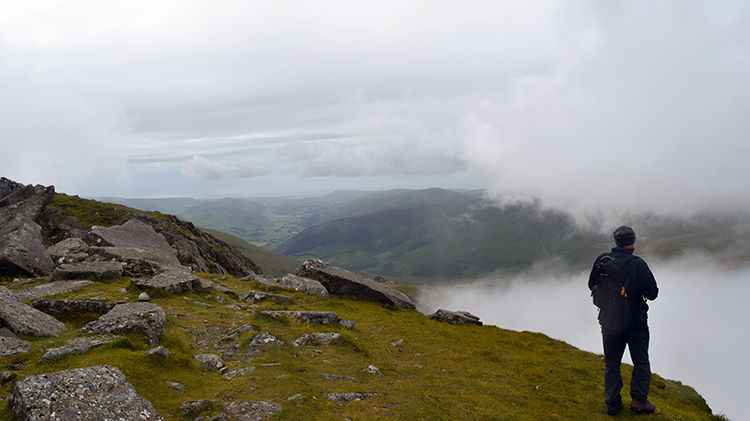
(624, 236)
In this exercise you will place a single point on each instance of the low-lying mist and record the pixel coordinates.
(698, 323)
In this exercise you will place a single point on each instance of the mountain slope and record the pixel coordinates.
(272, 263)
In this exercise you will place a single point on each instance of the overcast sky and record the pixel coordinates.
(586, 104)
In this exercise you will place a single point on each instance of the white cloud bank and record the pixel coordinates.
(202, 168)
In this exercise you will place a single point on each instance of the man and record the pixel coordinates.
(631, 330)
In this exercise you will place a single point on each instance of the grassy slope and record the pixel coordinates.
(440, 371)
(272, 263)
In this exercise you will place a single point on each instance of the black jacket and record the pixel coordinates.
(641, 287)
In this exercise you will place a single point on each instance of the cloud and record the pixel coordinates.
(202, 168)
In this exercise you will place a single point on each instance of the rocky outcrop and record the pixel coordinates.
(82, 270)
(69, 307)
(456, 317)
(72, 248)
(341, 281)
(176, 280)
(21, 242)
(252, 410)
(12, 346)
(143, 318)
(134, 236)
(297, 283)
(50, 289)
(76, 346)
(85, 394)
(209, 361)
(315, 317)
(255, 296)
(24, 319)
(317, 339)
(342, 399)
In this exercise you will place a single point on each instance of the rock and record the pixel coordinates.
(135, 235)
(7, 376)
(252, 410)
(17, 367)
(22, 318)
(143, 297)
(76, 346)
(175, 386)
(397, 342)
(159, 351)
(341, 281)
(12, 346)
(238, 373)
(317, 339)
(69, 307)
(21, 242)
(5, 332)
(235, 333)
(82, 270)
(296, 397)
(316, 317)
(337, 377)
(265, 339)
(297, 283)
(254, 296)
(174, 280)
(68, 247)
(371, 369)
(456, 317)
(84, 394)
(210, 284)
(342, 399)
(143, 318)
(349, 324)
(191, 410)
(50, 289)
(210, 361)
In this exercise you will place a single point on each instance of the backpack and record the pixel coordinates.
(610, 293)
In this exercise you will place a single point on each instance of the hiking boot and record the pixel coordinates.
(614, 410)
(642, 407)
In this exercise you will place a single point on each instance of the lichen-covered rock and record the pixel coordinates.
(159, 351)
(342, 399)
(51, 288)
(69, 307)
(137, 235)
(229, 375)
(254, 296)
(176, 280)
(210, 361)
(265, 339)
(340, 281)
(252, 410)
(22, 318)
(297, 283)
(144, 318)
(68, 247)
(81, 270)
(213, 285)
(456, 317)
(12, 346)
(84, 394)
(317, 339)
(76, 346)
(191, 410)
(315, 317)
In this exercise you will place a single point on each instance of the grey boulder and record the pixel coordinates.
(315, 317)
(297, 283)
(12, 346)
(176, 280)
(50, 289)
(340, 281)
(81, 270)
(209, 361)
(144, 318)
(22, 318)
(252, 410)
(456, 317)
(84, 394)
(69, 307)
(76, 346)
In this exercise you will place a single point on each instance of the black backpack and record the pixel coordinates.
(610, 292)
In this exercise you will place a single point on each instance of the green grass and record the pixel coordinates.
(439, 371)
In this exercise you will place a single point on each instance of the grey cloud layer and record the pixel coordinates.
(584, 104)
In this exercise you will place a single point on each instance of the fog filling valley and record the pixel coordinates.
(698, 322)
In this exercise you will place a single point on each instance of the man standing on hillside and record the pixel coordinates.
(627, 326)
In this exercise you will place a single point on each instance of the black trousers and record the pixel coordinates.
(614, 347)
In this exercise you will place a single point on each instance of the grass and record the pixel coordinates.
(439, 371)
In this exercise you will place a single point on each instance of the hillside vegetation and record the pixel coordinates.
(430, 370)
(271, 262)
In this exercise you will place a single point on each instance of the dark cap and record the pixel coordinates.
(624, 236)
